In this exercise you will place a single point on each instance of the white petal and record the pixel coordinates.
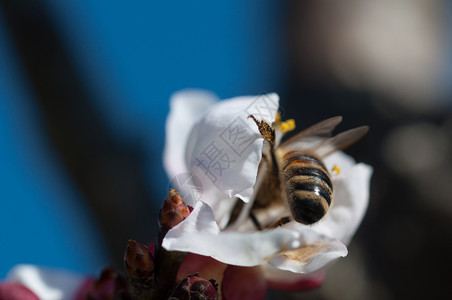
(186, 107)
(276, 275)
(311, 257)
(341, 160)
(199, 234)
(226, 147)
(351, 197)
(49, 284)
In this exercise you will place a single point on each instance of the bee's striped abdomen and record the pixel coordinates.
(308, 187)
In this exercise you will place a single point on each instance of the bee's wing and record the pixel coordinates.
(311, 135)
(339, 142)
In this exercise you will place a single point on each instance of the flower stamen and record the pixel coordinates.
(287, 126)
(336, 170)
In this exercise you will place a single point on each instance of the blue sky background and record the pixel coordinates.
(133, 57)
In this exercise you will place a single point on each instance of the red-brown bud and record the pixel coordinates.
(173, 211)
(195, 287)
(138, 261)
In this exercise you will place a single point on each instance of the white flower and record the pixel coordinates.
(216, 143)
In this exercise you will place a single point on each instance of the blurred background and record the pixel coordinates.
(84, 89)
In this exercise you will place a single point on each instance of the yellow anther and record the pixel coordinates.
(336, 170)
(291, 123)
(278, 117)
(287, 126)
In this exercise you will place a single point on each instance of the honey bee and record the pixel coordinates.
(292, 176)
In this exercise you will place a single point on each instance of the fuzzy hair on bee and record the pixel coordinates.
(292, 178)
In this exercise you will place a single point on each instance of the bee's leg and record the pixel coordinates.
(280, 222)
(255, 221)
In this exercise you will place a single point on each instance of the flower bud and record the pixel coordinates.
(138, 261)
(195, 287)
(173, 211)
